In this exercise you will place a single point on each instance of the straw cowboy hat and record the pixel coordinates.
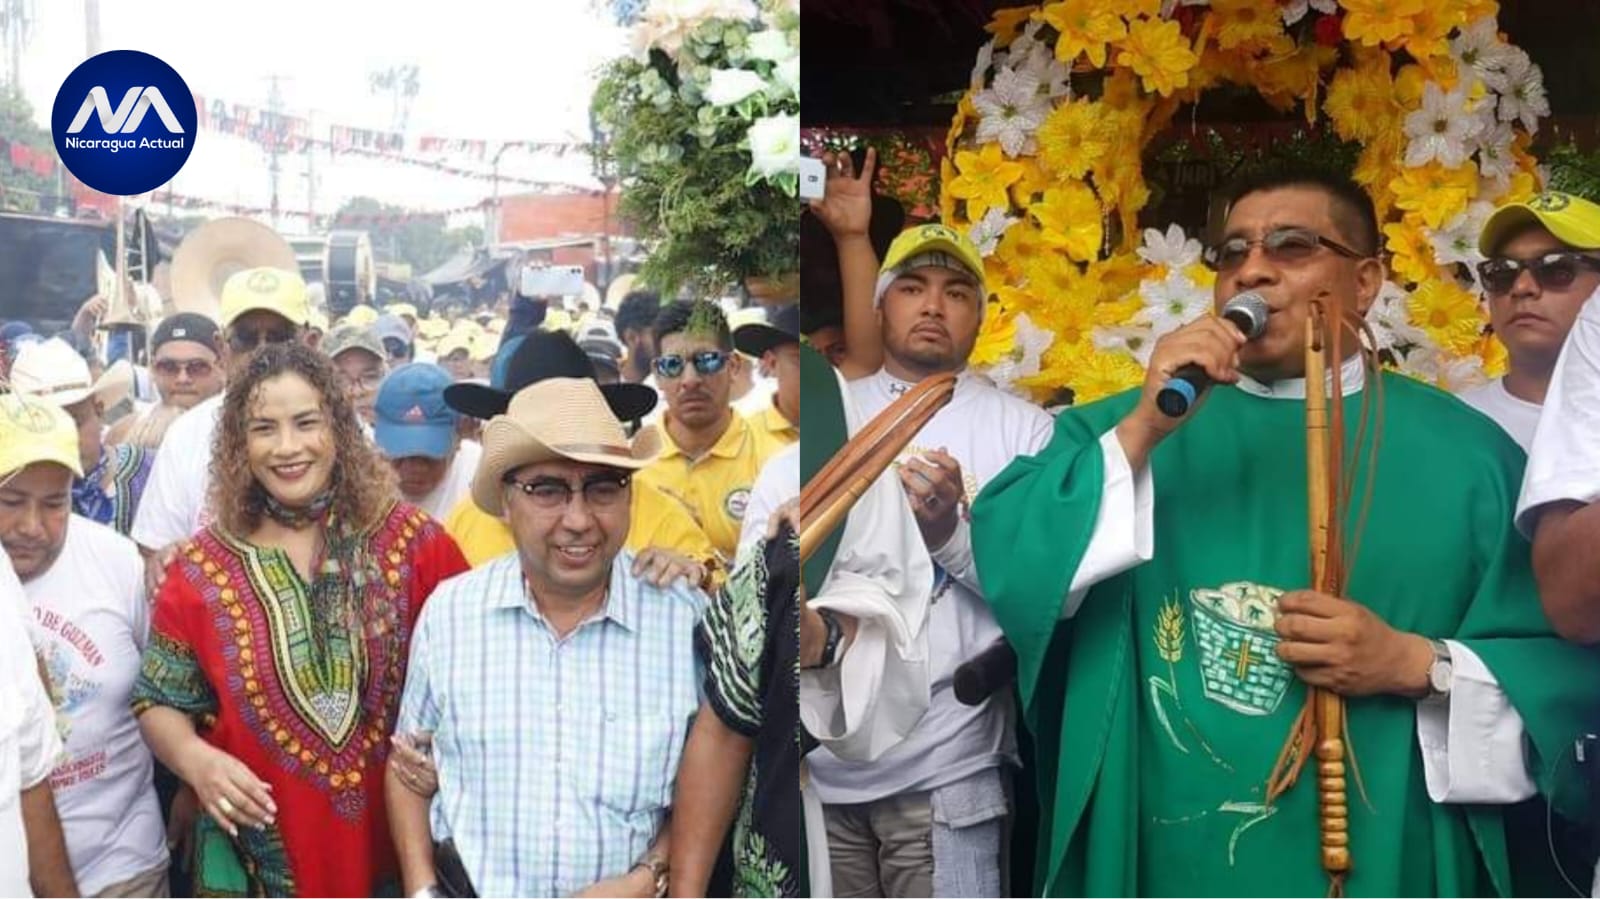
(52, 371)
(558, 418)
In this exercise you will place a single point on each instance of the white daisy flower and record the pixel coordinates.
(1441, 130)
(1457, 241)
(1522, 96)
(1175, 250)
(1495, 161)
(1136, 341)
(1011, 110)
(1390, 323)
(1026, 353)
(1054, 76)
(1478, 47)
(985, 232)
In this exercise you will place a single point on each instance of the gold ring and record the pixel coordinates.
(225, 805)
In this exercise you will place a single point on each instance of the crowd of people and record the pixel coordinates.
(378, 604)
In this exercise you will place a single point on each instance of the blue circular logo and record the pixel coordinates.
(124, 122)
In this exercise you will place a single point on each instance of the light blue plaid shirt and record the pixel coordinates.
(556, 758)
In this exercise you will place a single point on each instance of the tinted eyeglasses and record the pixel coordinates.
(548, 494)
(706, 363)
(366, 381)
(243, 340)
(1552, 271)
(1281, 245)
(172, 368)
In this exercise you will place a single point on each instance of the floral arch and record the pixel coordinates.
(1046, 153)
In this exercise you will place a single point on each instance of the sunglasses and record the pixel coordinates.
(600, 491)
(243, 341)
(1282, 245)
(1552, 271)
(706, 363)
(196, 368)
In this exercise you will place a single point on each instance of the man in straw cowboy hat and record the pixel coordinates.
(258, 306)
(593, 664)
(114, 477)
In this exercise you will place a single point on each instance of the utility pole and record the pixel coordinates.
(16, 20)
(274, 146)
(91, 24)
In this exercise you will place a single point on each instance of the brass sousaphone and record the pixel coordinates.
(214, 252)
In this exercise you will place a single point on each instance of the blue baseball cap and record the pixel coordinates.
(411, 416)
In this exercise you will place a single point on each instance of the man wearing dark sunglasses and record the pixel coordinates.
(186, 362)
(258, 306)
(710, 456)
(1540, 265)
(1147, 531)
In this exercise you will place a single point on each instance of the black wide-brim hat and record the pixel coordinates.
(538, 356)
(756, 338)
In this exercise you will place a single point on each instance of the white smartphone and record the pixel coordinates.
(813, 178)
(552, 281)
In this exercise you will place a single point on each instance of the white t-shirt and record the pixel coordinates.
(455, 484)
(1516, 416)
(89, 625)
(29, 744)
(1564, 460)
(173, 506)
(984, 429)
(778, 482)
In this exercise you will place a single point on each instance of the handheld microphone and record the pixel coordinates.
(1248, 312)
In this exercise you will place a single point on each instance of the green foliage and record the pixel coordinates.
(22, 189)
(685, 165)
(1574, 171)
(422, 242)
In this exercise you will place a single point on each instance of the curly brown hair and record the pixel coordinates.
(363, 485)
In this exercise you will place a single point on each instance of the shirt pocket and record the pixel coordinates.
(635, 760)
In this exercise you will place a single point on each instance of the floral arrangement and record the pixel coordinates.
(1047, 144)
(701, 124)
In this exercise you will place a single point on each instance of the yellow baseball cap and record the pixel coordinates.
(1573, 220)
(483, 347)
(432, 328)
(360, 315)
(455, 340)
(32, 431)
(931, 244)
(269, 289)
(401, 309)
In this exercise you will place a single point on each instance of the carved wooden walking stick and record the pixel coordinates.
(829, 495)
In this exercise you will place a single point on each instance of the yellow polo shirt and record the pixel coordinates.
(715, 487)
(769, 419)
(656, 519)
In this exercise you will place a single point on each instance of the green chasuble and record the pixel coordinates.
(1159, 709)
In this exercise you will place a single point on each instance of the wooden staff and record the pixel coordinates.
(833, 490)
(1323, 450)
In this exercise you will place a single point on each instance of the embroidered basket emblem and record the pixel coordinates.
(1239, 664)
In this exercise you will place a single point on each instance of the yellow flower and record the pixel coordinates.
(1085, 26)
(984, 177)
(1436, 193)
(1377, 166)
(1495, 358)
(996, 336)
(1473, 10)
(1411, 255)
(947, 200)
(1070, 216)
(965, 112)
(1449, 314)
(1431, 37)
(1158, 53)
(1101, 374)
(1242, 22)
(1073, 140)
(1033, 182)
(1296, 77)
(1019, 246)
(1007, 24)
(1374, 22)
(1358, 102)
(1409, 83)
(1121, 90)
(1524, 184)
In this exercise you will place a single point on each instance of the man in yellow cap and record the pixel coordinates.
(935, 803)
(1542, 261)
(1557, 256)
(258, 306)
(84, 591)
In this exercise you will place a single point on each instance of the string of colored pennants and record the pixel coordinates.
(294, 133)
(186, 202)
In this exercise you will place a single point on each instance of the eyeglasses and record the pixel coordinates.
(367, 381)
(1552, 271)
(706, 363)
(196, 368)
(1281, 245)
(601, 491)
(243, 341)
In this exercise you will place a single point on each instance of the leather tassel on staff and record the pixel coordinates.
(830, 494)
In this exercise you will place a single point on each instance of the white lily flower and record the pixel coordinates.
(729, 86)
(985, 232)
(1441, 129)
(1011, 111)
(1175, 250)
(1171, 303)
(775, 145)
(1520, 84)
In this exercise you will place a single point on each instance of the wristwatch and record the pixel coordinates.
(1441, 673)
(658, 869)
(431, 891)
(830, 641)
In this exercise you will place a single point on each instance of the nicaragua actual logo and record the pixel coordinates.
(124, 122)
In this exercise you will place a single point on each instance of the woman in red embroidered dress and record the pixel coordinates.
(279, 641)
